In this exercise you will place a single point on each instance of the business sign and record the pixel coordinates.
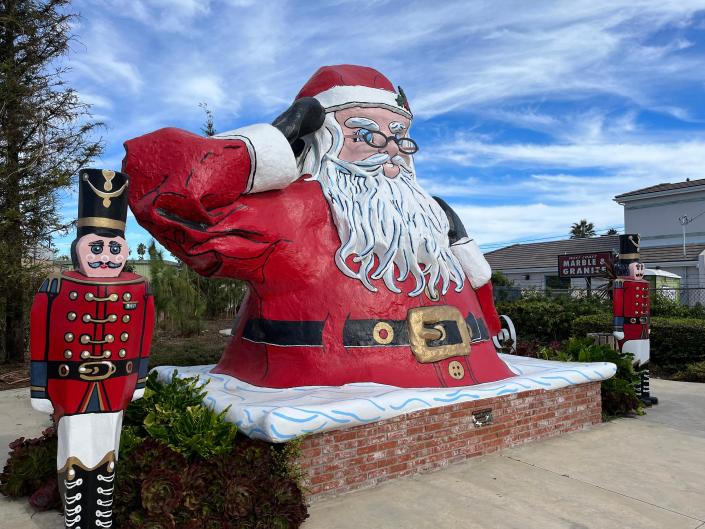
(584, 264)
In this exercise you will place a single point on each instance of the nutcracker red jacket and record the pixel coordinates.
(90, 341)
(236, 207)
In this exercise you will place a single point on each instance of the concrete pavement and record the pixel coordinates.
(647, 472)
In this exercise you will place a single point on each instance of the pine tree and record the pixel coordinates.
(208, 127)
(45, 137)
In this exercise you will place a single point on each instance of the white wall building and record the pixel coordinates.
(653, 213)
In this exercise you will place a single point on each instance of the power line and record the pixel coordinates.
(557, 237)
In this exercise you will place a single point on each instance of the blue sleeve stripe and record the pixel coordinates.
(144, 367)
(38, 374)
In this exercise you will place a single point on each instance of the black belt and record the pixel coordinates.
(285, 333)
(356, 333)
(94, 370)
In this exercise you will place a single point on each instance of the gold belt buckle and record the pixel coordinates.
(94, 371)
(425, 325)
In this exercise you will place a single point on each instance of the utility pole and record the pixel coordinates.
(684, 221)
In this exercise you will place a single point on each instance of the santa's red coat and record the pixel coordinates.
(203, 198)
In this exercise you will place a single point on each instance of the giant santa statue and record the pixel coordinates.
(355, 273)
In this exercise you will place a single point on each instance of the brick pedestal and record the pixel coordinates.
(422, 441)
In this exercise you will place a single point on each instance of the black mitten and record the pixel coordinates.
(304, 116)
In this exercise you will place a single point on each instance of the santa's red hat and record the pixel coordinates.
(347, 85)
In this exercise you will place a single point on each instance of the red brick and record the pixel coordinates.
(426, 440)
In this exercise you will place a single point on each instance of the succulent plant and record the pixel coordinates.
(198, 476)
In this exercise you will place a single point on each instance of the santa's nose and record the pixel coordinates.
(392, 149)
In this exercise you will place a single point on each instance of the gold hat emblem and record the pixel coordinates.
(106, 195)
(635, 243)
(108, 175)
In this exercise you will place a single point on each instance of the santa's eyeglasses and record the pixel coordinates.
(379, 140)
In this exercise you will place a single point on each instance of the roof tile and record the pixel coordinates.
(544, 254)
(662, 187)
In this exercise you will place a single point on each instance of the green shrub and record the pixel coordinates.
(664, 306)
(549, 319)
(692, 373)
(675, 342)
(181, 466)
(500, 280)
(174, 414)
(178, 304)
(618, 393)
(201, 352)
(592, 323)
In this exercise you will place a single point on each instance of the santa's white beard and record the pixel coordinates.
(390, 226)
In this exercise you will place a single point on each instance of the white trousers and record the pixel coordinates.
(88, 437)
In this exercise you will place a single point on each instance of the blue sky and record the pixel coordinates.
(529, 115)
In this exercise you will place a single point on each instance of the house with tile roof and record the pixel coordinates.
(661, 214)
(654, 213)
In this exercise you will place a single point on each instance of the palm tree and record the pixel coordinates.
(582, 230)
(612, 231)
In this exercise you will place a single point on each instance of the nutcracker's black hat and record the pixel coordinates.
(629, 248)
(628, 253)
(102, 202)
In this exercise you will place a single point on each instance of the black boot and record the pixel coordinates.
(645, 390)
(88, 494)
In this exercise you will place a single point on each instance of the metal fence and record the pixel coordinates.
(690, 296)
(687, 296)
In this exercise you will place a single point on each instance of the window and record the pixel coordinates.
(556, 282)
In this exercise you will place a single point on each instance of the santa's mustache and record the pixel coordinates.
(370, 164)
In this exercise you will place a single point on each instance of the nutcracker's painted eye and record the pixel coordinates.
(115, 248)
(97, 247)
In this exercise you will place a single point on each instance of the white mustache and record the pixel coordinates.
(372, 162)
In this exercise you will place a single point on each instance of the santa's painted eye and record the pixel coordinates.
(361, 134)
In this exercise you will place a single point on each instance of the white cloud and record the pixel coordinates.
(189, 90)
(495, 224)
(163, 15)
(96, 100)
(676, 161)
(102, 58)
(582, 75)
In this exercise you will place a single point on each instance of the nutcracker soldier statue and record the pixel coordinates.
(630, 304)
(91, 331)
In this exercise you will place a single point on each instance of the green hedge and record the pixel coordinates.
(675, 342)
(663, 306)
(618, 392)
(548, 319)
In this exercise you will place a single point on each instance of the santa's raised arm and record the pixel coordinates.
(356, 274)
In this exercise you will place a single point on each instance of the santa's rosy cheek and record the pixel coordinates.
(119, 259)
(90, 257)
